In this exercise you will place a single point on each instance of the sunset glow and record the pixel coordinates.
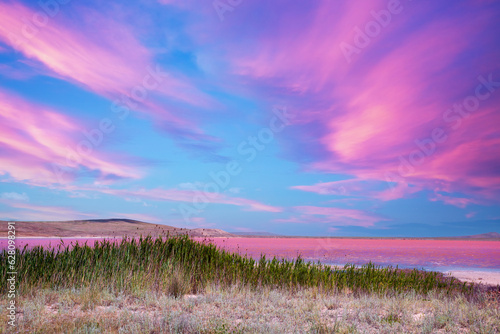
(312, 118)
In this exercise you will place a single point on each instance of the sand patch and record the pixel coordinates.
(484, 277)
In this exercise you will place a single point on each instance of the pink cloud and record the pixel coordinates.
(361, 117)
(112, 63)
(71, 55)
(189, 196)
(345, 187)
(364, 188)
(331, 215)
(399, 190)
(180, 195)
(32, 212)
(455, 201)
(314, 38)
(387, 110)
(470, 214)
(35, 139)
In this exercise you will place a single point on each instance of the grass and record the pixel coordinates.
(140, 286)
(239, 309)
(180, 265)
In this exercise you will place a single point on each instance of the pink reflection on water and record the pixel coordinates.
(437, 254)
(52, 242)
(406, 253)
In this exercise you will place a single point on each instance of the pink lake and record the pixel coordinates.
(439, 255)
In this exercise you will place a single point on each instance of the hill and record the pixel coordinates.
(102, 228)
(489, 235)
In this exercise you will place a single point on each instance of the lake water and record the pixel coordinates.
(440, 255)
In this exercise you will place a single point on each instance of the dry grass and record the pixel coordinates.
(180, 286)
(244, 310)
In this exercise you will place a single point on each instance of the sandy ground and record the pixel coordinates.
(491, 278)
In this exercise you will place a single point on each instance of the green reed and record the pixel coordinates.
(181, 265)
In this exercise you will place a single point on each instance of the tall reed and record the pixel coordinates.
(180, 265)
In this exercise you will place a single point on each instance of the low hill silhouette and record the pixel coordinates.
(114, 227)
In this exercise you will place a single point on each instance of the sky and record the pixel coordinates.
(313, 118)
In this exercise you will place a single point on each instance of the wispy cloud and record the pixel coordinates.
(470, 214)
(460, 202)
(362, 118)
(33, 212)
(113, 63)
(412, 116)
(332, 215)
(181, 195)
(36, 140)
(362, 188)
(15, 196)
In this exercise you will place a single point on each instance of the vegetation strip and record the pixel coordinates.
(178, 265)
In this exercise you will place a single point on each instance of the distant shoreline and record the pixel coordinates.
(264, 237)
(119, 227)
(382, 238)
